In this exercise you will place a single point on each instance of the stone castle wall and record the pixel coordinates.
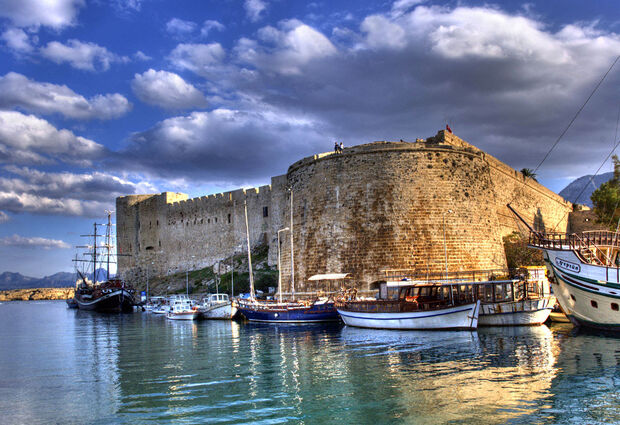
(383, 205)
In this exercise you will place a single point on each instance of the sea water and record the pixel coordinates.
(61, 366)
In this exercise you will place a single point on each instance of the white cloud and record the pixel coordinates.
(401, 6)
(198, 58)
(292, 47)
(33, 242)
(166, 90)
(17, 40)
(210, 25)
(127, 6)
(45, 98)
(81, 55)
(141, 56)
(4, 217)
(27, 139)
(254, 9)
(382, 33)
(179, 27)
(33, 13)
(64, 193)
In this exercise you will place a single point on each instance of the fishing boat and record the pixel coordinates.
(216, 306)
(584, 273)
(111, 295)
(413, 305)
(182, 308)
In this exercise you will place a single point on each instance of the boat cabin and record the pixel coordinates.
(408, 296)
(218, 298)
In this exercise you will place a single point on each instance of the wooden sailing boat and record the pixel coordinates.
(583, 270)
(318, 309)
(111, 295)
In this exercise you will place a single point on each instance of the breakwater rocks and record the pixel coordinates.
(36, 294)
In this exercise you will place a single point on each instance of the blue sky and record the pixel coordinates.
(100, 99)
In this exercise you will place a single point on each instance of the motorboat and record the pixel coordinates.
(525, 300)
(182, 308)
(216, 306)
(415, 305)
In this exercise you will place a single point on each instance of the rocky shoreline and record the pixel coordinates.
(33, 294)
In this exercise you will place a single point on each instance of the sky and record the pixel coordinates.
(105, 98)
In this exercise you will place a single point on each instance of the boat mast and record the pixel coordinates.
(95, 254)
(292, 258)
(247, 235)
(107, 235)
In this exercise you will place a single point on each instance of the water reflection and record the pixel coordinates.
(143, 368)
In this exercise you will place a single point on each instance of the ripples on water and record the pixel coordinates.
(70, 366)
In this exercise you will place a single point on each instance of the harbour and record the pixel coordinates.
(75, 366)
(266, 212)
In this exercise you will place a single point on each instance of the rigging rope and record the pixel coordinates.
(568, 127)
(577, 114)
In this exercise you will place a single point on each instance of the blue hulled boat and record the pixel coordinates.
(321, 310)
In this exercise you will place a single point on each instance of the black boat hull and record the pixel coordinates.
(113, 302)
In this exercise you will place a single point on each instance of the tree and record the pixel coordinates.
(528, 172)
(606, 199)
(518, 254)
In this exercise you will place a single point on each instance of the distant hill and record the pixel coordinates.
(9, 280)
(590, 183)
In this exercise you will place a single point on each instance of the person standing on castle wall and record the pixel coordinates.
(340, 148)
(336, 147)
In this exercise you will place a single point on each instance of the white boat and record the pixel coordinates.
(154, 303)
(216, 306)
(182, 308)
(161, 309)
(526, 301)
(583, 269)
(516, 313)
(415, 306)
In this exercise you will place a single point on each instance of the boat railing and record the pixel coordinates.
(593, 246)
(556, 240)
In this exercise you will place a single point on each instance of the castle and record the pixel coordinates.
(383, 205)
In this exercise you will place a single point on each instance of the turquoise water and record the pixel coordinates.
(68, 366)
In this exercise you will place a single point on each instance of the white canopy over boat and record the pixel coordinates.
(330, 276)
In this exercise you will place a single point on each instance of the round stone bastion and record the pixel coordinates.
(394, 205)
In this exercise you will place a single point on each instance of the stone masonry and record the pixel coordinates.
(377, 206)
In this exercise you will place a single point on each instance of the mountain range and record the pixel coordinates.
(9, 280)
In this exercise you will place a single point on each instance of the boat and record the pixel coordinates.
(153, 303)
(216, 306)
(182, 308)
(320, 309)
(524, 301)
(584, 274)
(413, 305)
(72, 303)
(315, 307)
(111, 295)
